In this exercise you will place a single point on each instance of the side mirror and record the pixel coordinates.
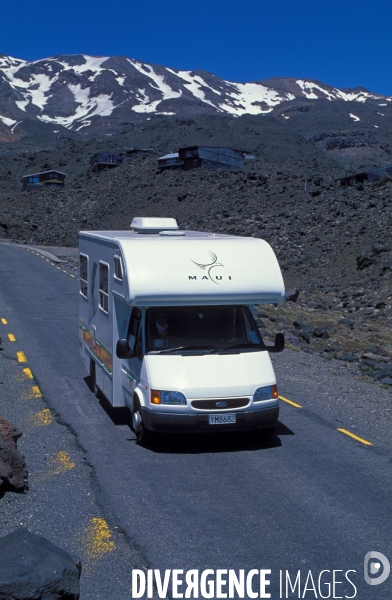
(279, 344)
(122, 349)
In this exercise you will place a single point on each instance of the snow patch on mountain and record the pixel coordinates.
(93, 63)
(101, 105)
(7, 121)
(160, 85)
(194, 84)
(308, 86)
(253, 98)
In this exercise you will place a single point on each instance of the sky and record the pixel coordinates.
(344, 43)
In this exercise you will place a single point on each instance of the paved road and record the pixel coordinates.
(312, 499)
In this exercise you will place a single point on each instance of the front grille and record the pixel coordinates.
(212, 404)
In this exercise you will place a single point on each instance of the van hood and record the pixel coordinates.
(211, 375)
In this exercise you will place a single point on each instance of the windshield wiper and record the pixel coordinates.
(246, 345)
(179, 348)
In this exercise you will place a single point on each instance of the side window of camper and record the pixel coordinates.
(104, 287)
(118, 271)
(83, 275)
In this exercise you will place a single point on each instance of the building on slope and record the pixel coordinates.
(371, 175)
(207, 157)
(36, 181)
(104, 160)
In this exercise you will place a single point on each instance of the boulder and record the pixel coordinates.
(291, 295)
(13, 470)
(347, 357)
(33, 568)
(321, 332)
(304, 331)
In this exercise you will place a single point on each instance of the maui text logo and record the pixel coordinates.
(372, 566)
(208, 267)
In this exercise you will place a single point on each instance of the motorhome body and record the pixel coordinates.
(166, 326)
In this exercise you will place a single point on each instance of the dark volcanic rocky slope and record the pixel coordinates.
(319, 233)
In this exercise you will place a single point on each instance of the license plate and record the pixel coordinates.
(221, 419)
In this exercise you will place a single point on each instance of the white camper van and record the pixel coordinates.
(166, 326)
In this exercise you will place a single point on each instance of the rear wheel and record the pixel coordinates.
(93, 371)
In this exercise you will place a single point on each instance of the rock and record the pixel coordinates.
(386, 381)
(291, 295)
(385, 372)
(348, 322)
(321, 332)
(13, 470)
(368, 256)
(375, 357)
(304, 331)
(347, 357)
(377, 350)
(32, 568)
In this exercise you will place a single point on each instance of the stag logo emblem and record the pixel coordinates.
(209, 266)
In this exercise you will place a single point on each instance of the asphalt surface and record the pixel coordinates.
(311, 499)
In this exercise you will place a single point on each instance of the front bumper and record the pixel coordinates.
(166, 422)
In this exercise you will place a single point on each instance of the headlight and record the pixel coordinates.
(265, 393)
(164, 397)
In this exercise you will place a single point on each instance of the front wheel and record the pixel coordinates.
(143, 435)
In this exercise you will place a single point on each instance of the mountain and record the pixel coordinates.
(106, 95)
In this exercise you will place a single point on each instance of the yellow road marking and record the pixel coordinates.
(98, 539)
(28, 373)
(47, 259)
(36, 392)
(21, 357)
(62, 463)
(72, 275)
(58, 268)
(53, 265)
(43, 417)
(355, 437)
(4, 321)
(289, 402)
(11, 337)
(64, 271)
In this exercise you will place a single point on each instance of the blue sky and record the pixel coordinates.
(344, 43)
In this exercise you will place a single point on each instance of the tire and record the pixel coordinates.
(96, 390)
(143, 435)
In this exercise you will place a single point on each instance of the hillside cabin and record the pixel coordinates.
(104, 160)
(371, 175)
(44, 179)
(207, 157)
(137, 151)
(170, 161)
(210, 157)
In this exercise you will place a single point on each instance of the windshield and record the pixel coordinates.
(201, 327)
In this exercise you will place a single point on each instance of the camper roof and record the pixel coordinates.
(190, 267)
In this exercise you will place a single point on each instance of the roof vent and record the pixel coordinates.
(171, 233)
(153, 224)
